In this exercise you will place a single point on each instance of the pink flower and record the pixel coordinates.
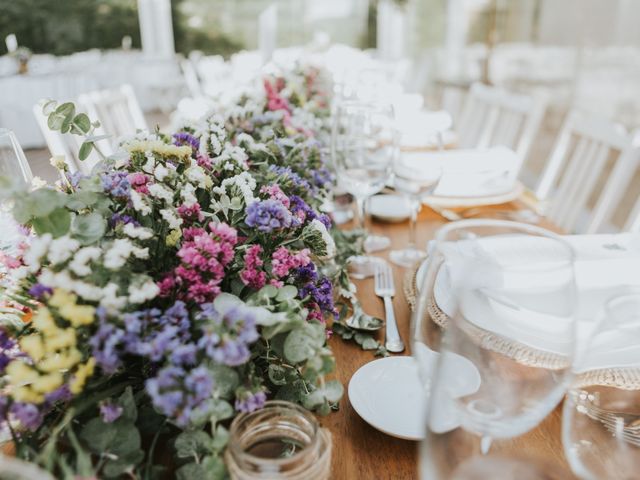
(276, 193)
(251, 275)
(203, 257)
(191, 212)
(282, 261)
(139, 182)
(204, 161)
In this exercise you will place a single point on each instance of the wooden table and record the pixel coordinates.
(362, 452)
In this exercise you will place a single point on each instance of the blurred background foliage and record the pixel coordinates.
(62, 27)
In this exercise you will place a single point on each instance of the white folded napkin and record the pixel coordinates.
(469, 172)
(419, 128)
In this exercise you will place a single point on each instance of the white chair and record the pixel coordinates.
(492, 116)
(191, 78)
(118, 112)
(578, 160)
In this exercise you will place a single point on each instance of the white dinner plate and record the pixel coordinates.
(387, 394)
(390, 208)
(476, 201)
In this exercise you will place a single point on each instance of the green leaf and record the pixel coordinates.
(214, 466)
(220, 439)
(98, 435)
(115, 468)
(89, 228)
(331, 392)
(57, 223)
(303, 342)
(191, 471)
(85, 150)
(54, 122)
(287, 292)
(128, 404)
(82, 122)
(192, 444)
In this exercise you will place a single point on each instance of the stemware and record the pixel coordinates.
(363, 147)
(601, 415)
(13, 163)
(500, 299)
(415, 184)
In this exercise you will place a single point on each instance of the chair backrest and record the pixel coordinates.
(117, 110)
(577, 162)
(492, 116)
(191, 78)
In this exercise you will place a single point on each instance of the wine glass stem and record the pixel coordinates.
(485, 444)
(415, 206)
(360, 201)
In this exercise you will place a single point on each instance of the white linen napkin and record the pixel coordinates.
(469, 172)
(419, 128)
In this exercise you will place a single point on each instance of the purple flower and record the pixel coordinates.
(117, 218)
(106, 346)
(289, 174)
(226, 337)
(321, 293)
(249, 401)
(268, 215)
(8, 349)
(110, 412)
(306, 274)
(28, 414)
(60, 394)
(304, 212)
(75, 177)
(179, 394)
(38, 290)
(116, 183)
(184, 138)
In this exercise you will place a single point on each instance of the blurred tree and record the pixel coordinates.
(62, 27)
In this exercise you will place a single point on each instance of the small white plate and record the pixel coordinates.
(390, 208)
(387, 394)
(476, 201)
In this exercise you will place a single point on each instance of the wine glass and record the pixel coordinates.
(503, 295)
(363, 147)
(601, 415)
(13, 163)
(415, 184)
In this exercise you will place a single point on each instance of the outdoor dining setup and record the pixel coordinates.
(309, 271)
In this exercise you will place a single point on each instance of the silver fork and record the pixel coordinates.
(385, 289)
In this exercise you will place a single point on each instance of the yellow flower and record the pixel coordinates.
(43, 321)
(173, 237)
(47, 383)
(32, 345)
(20, 373)
(78, 314)
(62, 339)
(61, 298)
(60, 361)
(26, 394)
(83, 372)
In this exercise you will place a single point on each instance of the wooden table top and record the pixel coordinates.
(361, 451)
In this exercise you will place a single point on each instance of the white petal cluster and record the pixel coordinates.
(326, 237)
(161, 192)
(232, 157)
(171, 218)
(133, 231)
(197, 176)
(120, 251)
(139, 204)
(37, 250)
(61, 249)
(142, 291)
(245, 183)
(80, 263)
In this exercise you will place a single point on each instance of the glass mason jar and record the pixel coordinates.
(280, 441)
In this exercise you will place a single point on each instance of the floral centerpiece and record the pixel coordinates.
(188, 278)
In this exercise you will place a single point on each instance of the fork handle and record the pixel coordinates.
(393, 342)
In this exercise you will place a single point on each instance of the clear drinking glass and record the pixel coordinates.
(497, 302)
(601, 416)
(363, 147)
(13, 163)
(415, 184)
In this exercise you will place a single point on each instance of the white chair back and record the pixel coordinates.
(578, 160)
(117, 110)
(492, 116)
(191, 79)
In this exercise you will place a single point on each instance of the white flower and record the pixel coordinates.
(132, 231)
(171, 218)
(197, 175)
(59, 162)
(117, 255)
(110, 299)
(86, 291)
(37, 250)
(188, 195)
(159, 191)
(37, 182)
(330, 245)
(232, 157)
(141, 292)
(139, 204)
(80, 263)
(160, 172)
(245, 183)
(61, 249)
(150, 164)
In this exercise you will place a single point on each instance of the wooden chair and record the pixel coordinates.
(118, 112)
(578, 160)
(492, 116)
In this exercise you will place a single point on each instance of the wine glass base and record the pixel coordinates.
(376, 243)
(363, 266)
(407, 257)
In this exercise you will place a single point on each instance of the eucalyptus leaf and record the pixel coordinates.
(57, 223)
(128, 404)
(277, 374)
(88, 228)
(286, 293)
(302, 343)
(192, 444)
(82, 122)
(192, 471)
(85, 150)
